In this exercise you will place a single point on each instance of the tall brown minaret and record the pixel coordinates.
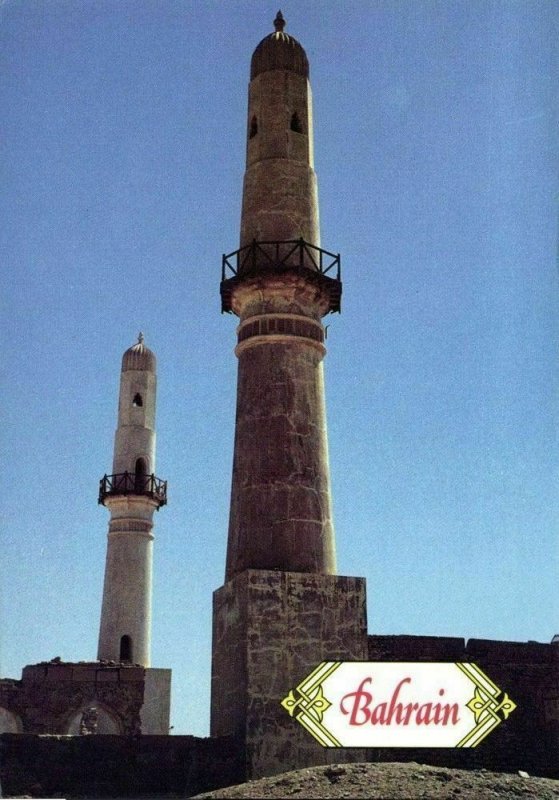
(280, 284)
(283, 609)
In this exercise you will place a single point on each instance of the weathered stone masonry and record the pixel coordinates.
(50, 696)
(527, 671)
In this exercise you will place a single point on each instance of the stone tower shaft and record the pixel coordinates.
(280, 198)
(280, 283)
(132, 493)
(269, 625)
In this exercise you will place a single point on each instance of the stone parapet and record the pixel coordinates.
(416, 648)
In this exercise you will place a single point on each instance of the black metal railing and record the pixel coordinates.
(130, 483)
(293, 253)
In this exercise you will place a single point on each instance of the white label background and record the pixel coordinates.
(426, 681)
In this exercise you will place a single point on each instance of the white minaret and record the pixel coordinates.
(132, 493)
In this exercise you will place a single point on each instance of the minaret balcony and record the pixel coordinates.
(294, 255)
(125, 483)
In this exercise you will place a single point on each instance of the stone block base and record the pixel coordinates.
(270, 629)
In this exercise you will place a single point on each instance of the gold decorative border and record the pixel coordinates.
(308, 705)
(484, 705)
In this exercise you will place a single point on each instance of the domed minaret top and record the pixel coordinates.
(278, 50)
(280, 230)
(139, 357)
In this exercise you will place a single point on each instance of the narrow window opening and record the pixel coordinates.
(140, 475)
(126, 648)
(137, 401)
(253, 128)
(296, 123)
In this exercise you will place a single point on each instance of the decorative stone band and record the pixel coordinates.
(278, 327)
(135, 526)
(286, 324)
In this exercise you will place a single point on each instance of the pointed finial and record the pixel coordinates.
(279, 22)
(140, 338)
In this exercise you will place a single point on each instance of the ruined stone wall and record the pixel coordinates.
(527, 672)
(115, 766)
(41, 766)
(50, 697)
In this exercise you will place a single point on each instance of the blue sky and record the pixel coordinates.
(437, 153)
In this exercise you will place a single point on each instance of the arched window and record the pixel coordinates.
(137, 401)
(253, 127)
(296, 123)
(125, 648)
(107, 721)
(140, 472)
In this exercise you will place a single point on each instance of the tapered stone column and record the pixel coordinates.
(279, 287)
(282, 609)
(132, 494)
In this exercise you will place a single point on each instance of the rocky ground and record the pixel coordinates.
(396, 781)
